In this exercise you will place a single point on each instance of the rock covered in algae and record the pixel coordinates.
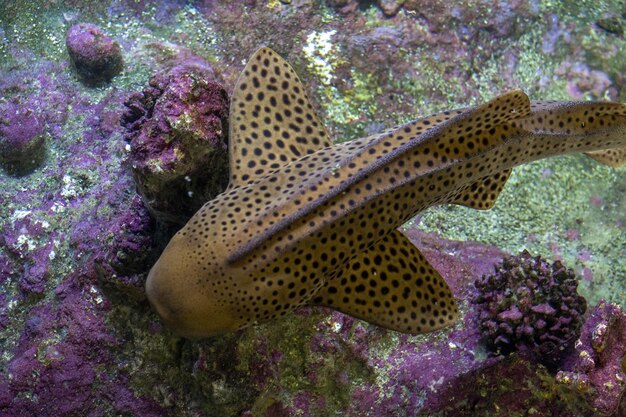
(67, 231)
(96, 57)
(598, 368)
(177, 131)
(22, 138)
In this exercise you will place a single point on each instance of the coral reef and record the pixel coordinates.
(22, 138)
(176, 129)
(531, 306)
(96, 57)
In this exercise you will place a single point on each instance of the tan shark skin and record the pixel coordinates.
(307, 222)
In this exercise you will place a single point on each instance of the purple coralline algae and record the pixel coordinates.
(177, 130)
(598, 368)
(96, 57)
(29, 241)
(66, 231)
(59, 360)
(22, 138)
(532, 306)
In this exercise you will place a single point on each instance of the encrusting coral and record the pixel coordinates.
(531, 306)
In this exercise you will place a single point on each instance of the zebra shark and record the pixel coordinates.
(306, 222)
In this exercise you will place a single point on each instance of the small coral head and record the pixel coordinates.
(532, 306)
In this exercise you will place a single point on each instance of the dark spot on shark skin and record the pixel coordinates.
(320, 226)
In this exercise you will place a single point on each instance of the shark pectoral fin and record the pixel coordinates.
(482, 194)
(272, 122)
(611, 157)
(392, 285)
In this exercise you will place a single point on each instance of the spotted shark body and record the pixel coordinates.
(307, 222)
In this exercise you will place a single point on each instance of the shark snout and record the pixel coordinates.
(185, 309)
(162, 299)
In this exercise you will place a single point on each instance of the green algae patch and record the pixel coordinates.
(29, 26)
(305, 353)
(581, 12)
(568, 208)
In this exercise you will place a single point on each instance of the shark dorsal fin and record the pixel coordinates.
(271, 121)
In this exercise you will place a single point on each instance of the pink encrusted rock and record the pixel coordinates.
(598, 370)
(22, 138)
(96, 56)
(177, 131)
